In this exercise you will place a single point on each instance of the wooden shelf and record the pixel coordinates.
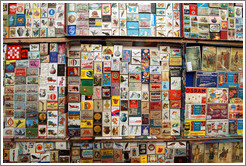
(165, 139)
(121, 140)
(177, 40)
(81, 139)
(35, 40)
(154, 39)
(125, 39)
(34, 139)
(215, 42)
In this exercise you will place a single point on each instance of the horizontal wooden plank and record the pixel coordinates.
(215, 42)
(123, 39)
(34, 139)
(121, 140)
(35, 40)
(154, 39)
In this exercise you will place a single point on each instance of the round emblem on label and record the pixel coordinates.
(97, 116)
(39, 147)
(115, 75)
(53, 96)
(97, 129)
(71, 19)
(151, 147)
(51, 11)
(42, 116)
(88, 73)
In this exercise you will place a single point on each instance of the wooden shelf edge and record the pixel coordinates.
(35, 40)
(35, 139)
(215, 42)
(169, 139)
(123, 39)
(156, 39)
(126, 39)
(119, 140)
